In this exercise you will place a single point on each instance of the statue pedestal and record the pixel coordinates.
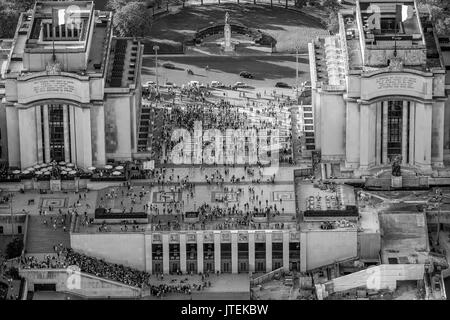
(396, 182)
(228, 47)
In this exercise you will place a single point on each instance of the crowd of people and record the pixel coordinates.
(221, 115)
(65, 257)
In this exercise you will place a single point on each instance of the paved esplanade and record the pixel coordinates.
(283, 182)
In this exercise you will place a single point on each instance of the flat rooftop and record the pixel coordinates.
(33, 38)
(163, 198)
(404, 237)
(368, 221)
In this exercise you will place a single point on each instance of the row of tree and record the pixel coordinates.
(9, 14)
(440, 14)
(134, 18)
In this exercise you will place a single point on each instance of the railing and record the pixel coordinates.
(267, 277)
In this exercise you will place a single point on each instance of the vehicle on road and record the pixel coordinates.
(216, 84)
(306, 93)
(238, 85)
(246, 74)
(168, 65)
(171, 84)
(149, 84)
(306, 84)
(282, 85)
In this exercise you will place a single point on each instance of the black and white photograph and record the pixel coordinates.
(240, 158)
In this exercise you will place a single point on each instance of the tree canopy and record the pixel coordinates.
(14, 248)
(131, 19)
(9, 14)
(440, 14)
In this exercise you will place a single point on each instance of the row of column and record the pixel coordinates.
(383, 120)
(217, 252)
(68, 32)
(367, 134)
(34, 135)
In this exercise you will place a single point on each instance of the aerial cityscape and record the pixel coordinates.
(225, 150)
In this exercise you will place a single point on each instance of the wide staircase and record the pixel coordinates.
(41, 238)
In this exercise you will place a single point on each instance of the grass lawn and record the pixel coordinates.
(286, 26)
(267, 69)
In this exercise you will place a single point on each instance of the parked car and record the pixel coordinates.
(171, 84)
(306, 93)
(246, 74)
(168, 65)
(238, 85)
(282, 85)
(306, 84)
(149, 84)
(216, 84)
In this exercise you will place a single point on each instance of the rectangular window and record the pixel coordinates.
(277, 250)
(243, 250)
(308, 121)
(260, 250)
(157, 252)
(225, 250)
(56, 130)
(395, 127)
(308, 115)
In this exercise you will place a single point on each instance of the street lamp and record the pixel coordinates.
(156, 48)
(296, 69)
(11, 210)
(439, 198)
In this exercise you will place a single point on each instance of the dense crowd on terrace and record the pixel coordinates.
(66, 257)
(220, 115)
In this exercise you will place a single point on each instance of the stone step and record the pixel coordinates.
(41, 238)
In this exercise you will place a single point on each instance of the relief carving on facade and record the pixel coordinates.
(260, 236)
(208, 237)
(191, 237)
(439, 85)
(243, 236)
(414, 57)
(294, 236)
(396, 64)
(277, 236)
(226, 236)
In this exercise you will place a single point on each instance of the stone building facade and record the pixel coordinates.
(72, 90)
(379, 91)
